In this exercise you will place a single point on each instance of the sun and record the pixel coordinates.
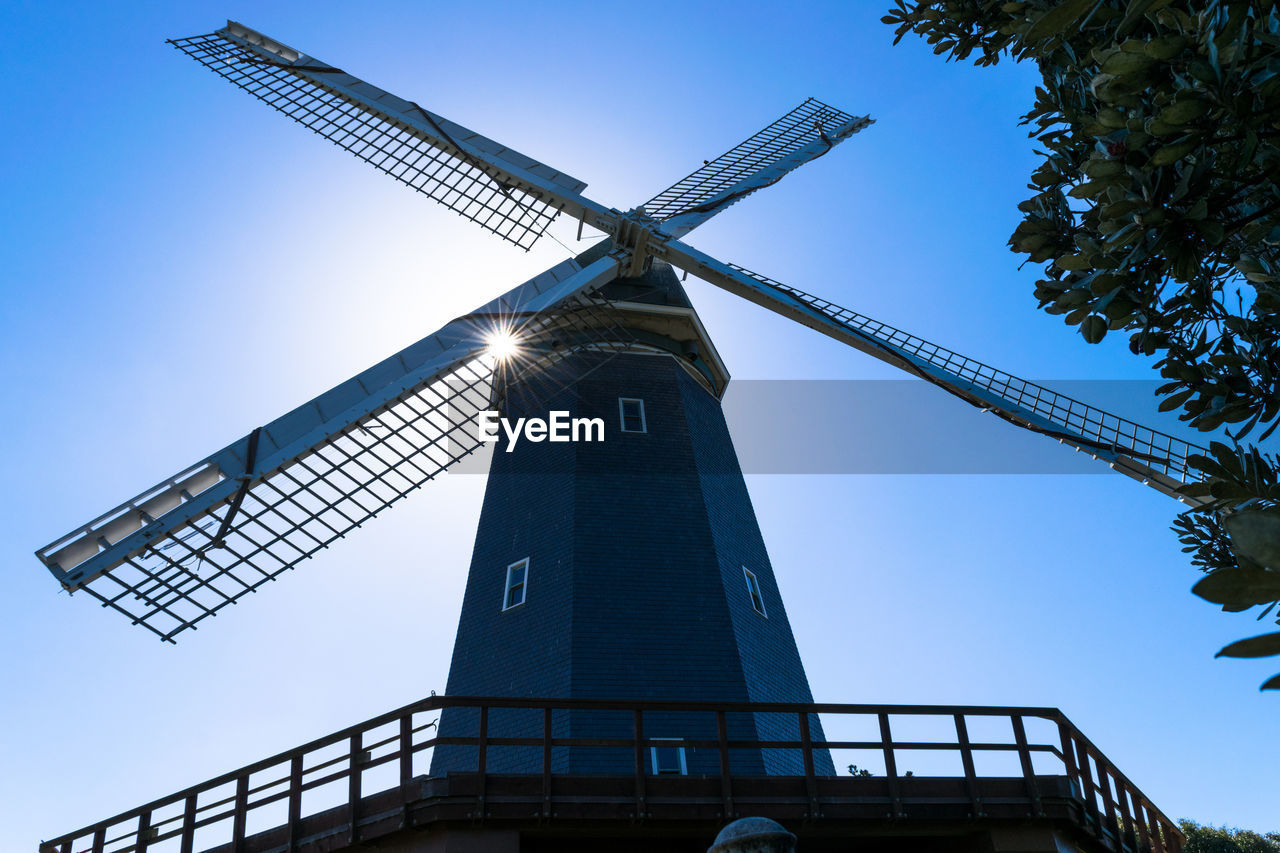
(502, 344)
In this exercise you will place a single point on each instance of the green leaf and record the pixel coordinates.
(1123, 63)
(1272, 683)
(1072, 262)
(1111, 118)
(1090, 189)
(1229, 491)
(1094, 328)
(1172, 153)
(1248, 264)
(1184, 111)
(1262, 646)
(1239, 587)
(1102, 168)
(1213, 232)
(1056, 20)
(1175, 401)
(1134, 14)
(1256, 535)
(1195, 489)
(1226, 456)
(1165, 47)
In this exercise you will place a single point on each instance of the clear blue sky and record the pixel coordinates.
(181, 264)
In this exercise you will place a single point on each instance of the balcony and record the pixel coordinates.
(1026, 779)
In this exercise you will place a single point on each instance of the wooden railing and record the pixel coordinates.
(392, 749)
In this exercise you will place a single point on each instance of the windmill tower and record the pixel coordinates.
(630, 568)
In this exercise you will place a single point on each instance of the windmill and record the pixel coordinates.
(217, 530)
(276, 496)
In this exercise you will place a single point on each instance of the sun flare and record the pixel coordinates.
(503, 344)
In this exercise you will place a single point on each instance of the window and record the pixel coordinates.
(517, 583)
(632, 412)
(753, 590)
(668, 760)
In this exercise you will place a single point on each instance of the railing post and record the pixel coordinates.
(1068, 754)
(970, 775)
(1157, 830)
(726, 787)
(144, 831)
(1086, 781)
(188, 842)
(1104, 784)
(239, 813)
(806, 754)
(1140, 818)
(406, 748)
(353, 787)
(546, 763)
(641, 811)
(99, 839)
(406, 765)
(1123, 796)
(1028, 772)
(482, 761)
(295, 800)
(890, 766)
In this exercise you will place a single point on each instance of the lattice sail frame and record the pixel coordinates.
(466, 172)
(1156, 458)
(221, 529)
(811, 122)
(1088, 427)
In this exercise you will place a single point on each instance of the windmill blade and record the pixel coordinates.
(502, 190)
(806, 133)
(223, 527)
(1157, 459)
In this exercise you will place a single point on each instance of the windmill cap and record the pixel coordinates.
(753, 835)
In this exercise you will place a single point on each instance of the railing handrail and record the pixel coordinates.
(352, 735)
(1098, 754)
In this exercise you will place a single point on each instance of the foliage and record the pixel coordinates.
(1235, 537)
(1156, 211)
(1220, 839)
(1156, 208)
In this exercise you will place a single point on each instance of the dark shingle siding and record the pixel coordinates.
(636, 549)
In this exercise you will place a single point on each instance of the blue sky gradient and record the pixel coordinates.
(182, 264)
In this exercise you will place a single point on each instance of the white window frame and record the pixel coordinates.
(524, 585)
(622, 415)
(680, 751)
(754, 592)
